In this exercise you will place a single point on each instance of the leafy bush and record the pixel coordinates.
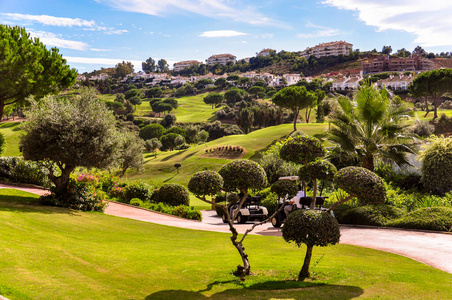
(422, 128)
(372, 215)
(136, 202)
(140, 190)
(151, 131)
(183, 211)
(173, 194)
(219, 210)
(436, 165)
(22, 171)
(367, 186)
(431, 218)
(80, 195)
(271, 203)
(317, 169)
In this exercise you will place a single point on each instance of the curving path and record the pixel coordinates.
(431, 248)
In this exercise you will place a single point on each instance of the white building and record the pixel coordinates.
(328, 49)
(99, 77)
(221, 59)
(179, 66)
(396, 82)
(266, 52)
(346, 83)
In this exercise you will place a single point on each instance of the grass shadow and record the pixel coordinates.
(258, 154)
(168, 179)
(174, 155)
(266, 290)
(30, 205)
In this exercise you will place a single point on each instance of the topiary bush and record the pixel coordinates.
(359, 182)
(173, 194)
(301, 149)
(205, 183)
(285, 189)
(372, 215)
(430, 218)
(317, 169)
(311, 228)
(139, 189)
(436, 165)
(242, 174)
(21, 171)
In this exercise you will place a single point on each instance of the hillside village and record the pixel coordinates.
(402, 69)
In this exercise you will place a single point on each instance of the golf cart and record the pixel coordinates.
(300, 201)
(250, 211)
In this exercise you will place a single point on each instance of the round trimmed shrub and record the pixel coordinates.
(173, 194)
(359, 182)
(429, 218)
(301, 149)
(205, 183)
(140, 190)
(436, 165)
(286, 189)
(372, 215)
(311, 228)
(317, 169)
(242, 174)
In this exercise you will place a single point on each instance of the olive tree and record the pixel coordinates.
(66, 134)
(311, 228)
(361, 183)
(236, 176)
(27, 68)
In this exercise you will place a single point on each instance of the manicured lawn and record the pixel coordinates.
(55, 253)
(192, 109)
(12, 131)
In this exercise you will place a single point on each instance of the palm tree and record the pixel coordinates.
(372, 126)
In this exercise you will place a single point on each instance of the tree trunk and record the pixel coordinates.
(436, 103)
(295, 118)
(427, 109)
(314, 196)
(244, 270)
(304, 273)
(61, 181)
(368, 162)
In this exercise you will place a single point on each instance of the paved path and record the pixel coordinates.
(431, 248)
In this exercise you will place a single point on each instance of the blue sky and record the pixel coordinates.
(100, 33)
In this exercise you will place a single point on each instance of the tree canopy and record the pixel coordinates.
(80, 132)
(294, 98)
(27, 68)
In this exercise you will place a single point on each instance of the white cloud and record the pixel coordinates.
(430, 21)
(118, 31)
(267, 36)
(209, 8)
(102, 61)
(221, 33)
(50, 20)
(99, 50)
(321, 31)
(51, 39)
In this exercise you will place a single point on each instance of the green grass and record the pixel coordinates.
(192, 109)
(55, 253)
(161, 169)
(12, 132)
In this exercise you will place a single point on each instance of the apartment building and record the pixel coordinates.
(393, 64)
(396, 82)
(179, 66)
(221, 59)
(328, 49)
